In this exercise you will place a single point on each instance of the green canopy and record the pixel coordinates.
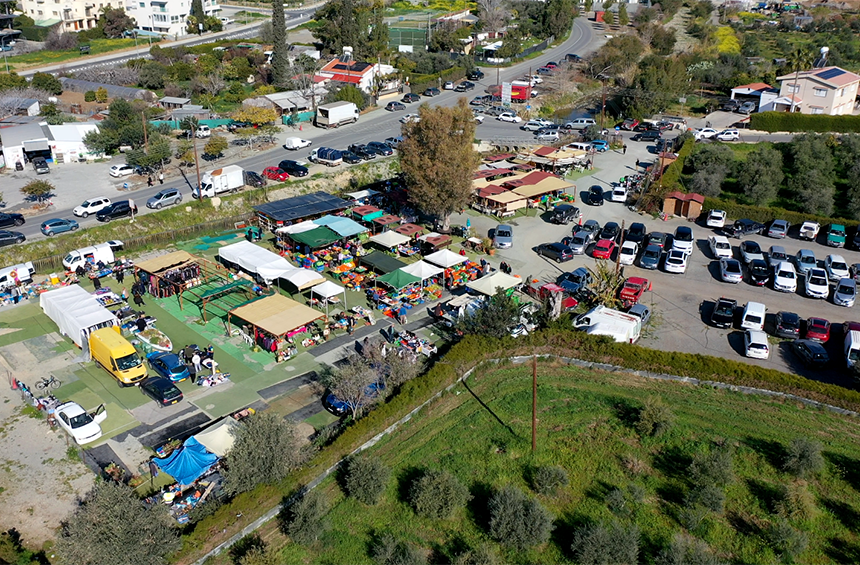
(317, 237)
(373, 215)
(398, 279)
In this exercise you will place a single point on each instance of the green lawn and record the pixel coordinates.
(97, 47)
(585, 426)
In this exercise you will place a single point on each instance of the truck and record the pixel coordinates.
(836, 235)
(852, 351)
(326, 156)
(12, 276)
(723, 315)
(809, 230)
(226, 179)
(336, 114)
(521, 91)
(632, 290)
(117, 356)
(104, 252)
(600, 320)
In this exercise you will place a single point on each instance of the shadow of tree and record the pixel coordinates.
(743, 525)
(598, 490)
(845, 513)
(489, 410)
(673, 462)
(765, 492)
(841, 551)
(848, 466)
(478, 507)
(773, 451)
(404, 479)
(626, 411)
(566, 526)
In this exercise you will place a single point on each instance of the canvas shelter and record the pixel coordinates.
(300, 227)
(381, 262)
(328, 290)
(389, 239)
(398, 279)
(342, 226)
(276, 315)
(422, 270)
(173, 273)
(267, 265)
(218, 438)
(445, 258)
(488, 285)
(76, 312)
(383, 221)
(320, 236)
(409, 230)
(188, 463)
(367, 213)
(507, 201)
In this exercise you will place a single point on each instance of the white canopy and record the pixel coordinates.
(362, 194)
(218, 438)
(298, 228)
(76, 312)
(488, 285)
(327, 289)
(268, 265)
(427, 235)
(422, 270)
(446, 258)
(389, 239)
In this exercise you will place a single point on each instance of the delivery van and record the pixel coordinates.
(103, 252)
(16, 274)
(117, 356)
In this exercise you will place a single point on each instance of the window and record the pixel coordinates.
(174, 19)
(816, 109)
(841, 92)
(793, 88)
(143, 4)
(820, 92)
(40, 12)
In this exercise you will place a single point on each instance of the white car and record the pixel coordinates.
(731, 271)
(91, 206)
(729, 135)
(479, 119)
(121, 170)
(716, 219)
(845, 293)
(836, 267)
(533, 125)
(705, 133)
(406, 118)
(720, 246)
(785, 277)
(509, 117)
(82, 426)
(816, 284)
(628, 252)
(226, 20)
(448, 86)
(676, 262)
(683, 239)
(756, 345)
(619, 194)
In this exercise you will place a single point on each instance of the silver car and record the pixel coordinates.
(845, 293)
(778, 229)
(503, 237)
(166, 197)
(579, 242)
(776, 255)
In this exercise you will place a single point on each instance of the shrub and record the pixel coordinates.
(654, 418)
(548, 479)
(785, 540)
(804, 457)
(517, 520)
(691, 517)
(249, 545)
(438, 494)
(365, 478)
(304, 521)
(784, 121)
(714, 468)
(617, 502)
(685, 550)
(59, 41)
(90, 96)
(101, 95)
(391, 551)
(795, 502)
(710, 497)
(203, 510)
(481, 555)
(47, 82)
(596, 544)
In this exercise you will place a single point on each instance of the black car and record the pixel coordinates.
(595, 195)
(759, 272)
(10, 220)
(731, 106)
(573, 282)
(787, 324)
(410, 97)
(362, 151)
(723, 315)
(430, 92)
(810, 352)
(548, 129)
(636, 233)
(292, 168)
(556, 251)
(648, 135)
(161, 390)
(610, 230)
(121, 209)
(658, 239)
(238, 125)
(564, 214)
(254, 180)
(481, 100)
(743, 227)
(40, 165)
(11, 237)
(572, 58)
(380, 148)
(475, 74)
(351, 158)
(464, 86)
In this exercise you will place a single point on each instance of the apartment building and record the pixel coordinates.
(829, 90)
(72, 15)
(167, 17)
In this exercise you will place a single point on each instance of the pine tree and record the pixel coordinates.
(280, 62)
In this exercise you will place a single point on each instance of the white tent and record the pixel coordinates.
(445, 258)
(76, 312)
(422, 270)
(298, 228)
(488, 285)
(389, 239)
(218, 438)
(327, 290)
(268, 265)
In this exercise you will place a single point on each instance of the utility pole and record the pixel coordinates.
(603, 106)
(145, 137)
(534, 403)
(196, 159)
(618, 253)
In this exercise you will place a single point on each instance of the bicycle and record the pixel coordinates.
(44, 383)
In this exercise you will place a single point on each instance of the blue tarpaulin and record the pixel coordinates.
(344, 227)
(187, 464)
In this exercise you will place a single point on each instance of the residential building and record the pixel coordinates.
(72, 15)
(829, 90)
(166, 17)
(361, 75)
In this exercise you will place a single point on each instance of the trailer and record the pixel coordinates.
(326, 156)
(226, 179)
(336, 114)
(620, 326)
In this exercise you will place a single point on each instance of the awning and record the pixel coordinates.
(381, 262)
(217, 438)
(298, 207)
(164, 262)
(445, 258)
(362, 194)
(344, 227)
(315, 238)
(327, 289)
(386, 220)
(422, 270)
(36, 145)
(398, 279)
(367, 213)
(298, 228)
(488, 285)
(409, 229)
(268, 265)
(389, 239)
(276, 314)
(506, 197)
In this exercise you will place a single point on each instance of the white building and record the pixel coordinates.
(61, 143)
(75, 15)
(167, 17)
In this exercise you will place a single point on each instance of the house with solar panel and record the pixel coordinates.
(346, 70)
(828, 90)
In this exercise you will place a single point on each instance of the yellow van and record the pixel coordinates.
(118, 357)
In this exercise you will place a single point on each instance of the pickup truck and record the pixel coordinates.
(326, 156)
(724, 313)
(809, 230)
(836, 235)
(743, 227)
(632, 290)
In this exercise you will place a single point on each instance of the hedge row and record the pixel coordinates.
(765, 214)
(672, 177)
(785, 121)
(420, 83)
(35, 33)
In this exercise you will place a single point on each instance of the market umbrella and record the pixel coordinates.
(422, 270)
(445, 258)
(398, 279)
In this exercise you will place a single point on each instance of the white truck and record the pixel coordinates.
(336, 114)
(226, 179)
(103, 252)
(326, 156)
(852, 350)
(11, 276)
(600, 320)
(809, 230)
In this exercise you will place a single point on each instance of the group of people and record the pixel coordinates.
(160, 179)
(195, 357)
(505, 268)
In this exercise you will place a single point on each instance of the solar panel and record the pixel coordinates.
(830, 73)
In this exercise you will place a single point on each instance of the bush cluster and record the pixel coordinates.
(784, 121)
(392, 551)
(655, 418)
(517, 520)
(438, 494)
(804, 457)
(597, 544)
(305, 520)
(365, 478)
(548, 479)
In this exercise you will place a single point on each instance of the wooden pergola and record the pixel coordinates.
(158, 267)
(206, 298)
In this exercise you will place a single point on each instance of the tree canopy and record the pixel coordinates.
(265, 450)
(354, 23)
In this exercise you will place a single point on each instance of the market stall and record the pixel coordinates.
(433, 242)
(381, 262)
(410, 230)
(273, 215)
(430, 276)
(383, 222)
(405, 293)
(77, 313)
(328, 293)
(267, 266)
(505, 204)
(367, 213)
(173, 273)
(389, 239)
(488, 285)
(274, 322)
(362, 197)
(445, 258)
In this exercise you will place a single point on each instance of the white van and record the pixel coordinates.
(753, 317)
(756, 344)
(579, 146)
(852, 348)
(22, 273)
(103, 252)
(203, 131)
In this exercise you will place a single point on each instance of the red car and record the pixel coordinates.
(818, 329)
(603, 249)
(274, 173)
(632, 290)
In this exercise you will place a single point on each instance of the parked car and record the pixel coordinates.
(778, 229)
(164, 197)
(628, 252)
(784, 277)
(58, 225)
(750, 251)
(805, 260)
(720, 246)
(845, 292)
(579, 123)
(380, 148)
(730, 105)
(350, 158)
(564, 214)
(121, 209)
(728, 135)
(407, 118)
(40, 165)
(475, 74)
(675, 262)
(11, 220)
(818, 329)
(503, 236)
(705, 133)
(575, 281)
(650, 258)
(743, 227)
(658, 239)
(595, 195)
(547, 137)
(410, 97)
(275, 174)
(121, 170)
(11, 238)
(340, 407)
(532, 125)
(395, 106)
(464, 86)
(603, 249)
(629, 124)
(811, 353)
(610, 230)
(683, 239)
(836, 267)
(509, 117)
(578, 243)
(747, 108)
(632, 290)
(759, 272)
(293, 168)
(430, 92)
(87, 207)
(556, 251)
(362, 151)
(590, 227)
(254, 180)
(599, 145)
(161, 390)
(648, 135)
(481, 100)
(716, 219)
(776, 254)
(82, 426)
(816, 284)
(756, 345)
(393, 142)
(723, 315)
(636, 233)
(449, 85)
(731, 271)
(168, 365)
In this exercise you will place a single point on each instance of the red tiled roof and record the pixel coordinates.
(490, 190)
(497, 158)
(694, 196)
(544, 151)
(753, 86)
(536, 176)
(354, 79)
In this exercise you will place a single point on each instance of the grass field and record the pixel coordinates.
(483, 437)
(97, 47)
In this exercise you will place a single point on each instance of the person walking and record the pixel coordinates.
(16, 294)
(188, 353)
(350, 322)
(120, 275)
(195, 360)
(637, 164)
(192, 372)
(138, 298)
(149, 180)
(624, 149)
(402, 315)
(97, 283)
(161, 177)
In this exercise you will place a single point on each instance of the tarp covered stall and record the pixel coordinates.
(389, 239)
(327, 291)
(297, 228)
(292, 210)
(445, 258)
(276, 315)
(507, 201)
(383, 221)
(488, 285)
(268, 265)
(218, 438)
(163, 262)
(367, 213)
(381, 262)
(344, 227)
(316, 238)
(360, 196)
(422, 270)
(409, 229)
(398, 279)
(76, 312)
(189, 463)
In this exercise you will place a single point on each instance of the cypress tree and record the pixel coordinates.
(280, 62)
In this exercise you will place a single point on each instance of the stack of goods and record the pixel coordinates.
(357, 279)
(408, 250)
(411, 342)
(107, 298)
(459, 275)
(433, 292)
(363, 312)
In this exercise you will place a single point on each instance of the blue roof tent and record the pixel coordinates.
(186, 465)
